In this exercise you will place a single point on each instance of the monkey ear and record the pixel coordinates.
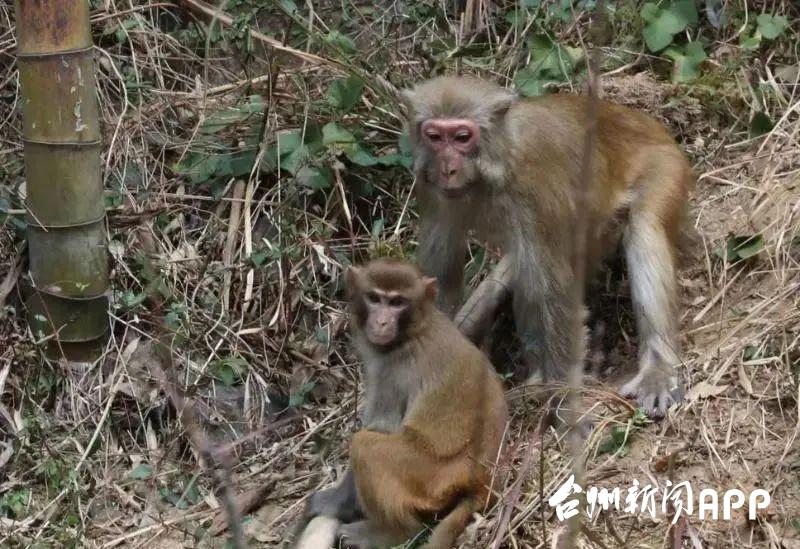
(431, 287)
(351, 277)
(408, 98)
(500, 105)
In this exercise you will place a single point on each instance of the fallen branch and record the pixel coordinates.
(476, 316)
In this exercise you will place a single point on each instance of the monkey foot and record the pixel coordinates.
(655, 391)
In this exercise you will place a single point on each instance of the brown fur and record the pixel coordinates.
(528, 166)
(434, 420)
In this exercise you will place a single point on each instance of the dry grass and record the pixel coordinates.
(246, 271)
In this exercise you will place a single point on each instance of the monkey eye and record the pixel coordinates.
(373, 298)
(463, 137)
(433, 137)
(397, 301)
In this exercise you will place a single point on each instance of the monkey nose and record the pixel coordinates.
(448, 171)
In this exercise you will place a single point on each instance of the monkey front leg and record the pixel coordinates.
(542, 321)
(339, 502)
(442, 255)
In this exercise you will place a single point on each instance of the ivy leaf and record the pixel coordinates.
(298, 158)
(288, 142)
(334, 134)
(288, 6)
(299, 398)
(141, 472)
(359, 155)
(314, 178)
(528, 84)
(750, 43)
(687, 61)
(760, 124)
(221, 119)
(650, 12)
(345, 93)
(772, 26)
(341, 41)
(737, 248)
(664, 24)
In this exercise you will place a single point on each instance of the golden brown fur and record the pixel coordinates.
(434, 417)
(517, 191)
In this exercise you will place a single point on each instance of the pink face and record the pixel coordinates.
(450, 140)
(385, 311)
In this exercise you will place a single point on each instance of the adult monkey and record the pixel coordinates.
(507, 168)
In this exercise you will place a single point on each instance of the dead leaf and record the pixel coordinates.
(744, 380)
(705, 390)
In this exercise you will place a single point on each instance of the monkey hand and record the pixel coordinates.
(357, 535)
(655, 389)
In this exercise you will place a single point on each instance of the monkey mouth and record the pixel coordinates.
(381, 340)
(453, 192)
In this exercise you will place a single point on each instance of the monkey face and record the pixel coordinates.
(452, 146)
(389, 300)
(386, 315)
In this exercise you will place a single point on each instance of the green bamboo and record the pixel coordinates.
(65, 210)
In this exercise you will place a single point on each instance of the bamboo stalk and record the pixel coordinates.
(66, 213)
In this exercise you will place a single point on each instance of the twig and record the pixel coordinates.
(10, 280)
(230, 242)
(191, 423)
(202, 8)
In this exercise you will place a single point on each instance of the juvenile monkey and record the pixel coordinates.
(507, 168)
(434, 416)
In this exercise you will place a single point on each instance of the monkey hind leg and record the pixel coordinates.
(365, 534)
(650, 254)
(445, 534)
(319, 533)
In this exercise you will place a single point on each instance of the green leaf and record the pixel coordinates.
(229, 370)
(345, 93)
(760, 124)
(339, 40)
(321, 335)
(289, 141)
(377, 228)
(359, 155)
(737, 248)
(298, 158)
(530, 3)
(299, 398)
(228, 116)
(288, 6)
(141, 472)
(551, 60)
(314, 178)
(750, 43)
(650, 12)
(665, 23)
(685, 11)
(226, 375)
(334, 134)
(528, 83)
(687, 61)
(772, 26)
(616, 442)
